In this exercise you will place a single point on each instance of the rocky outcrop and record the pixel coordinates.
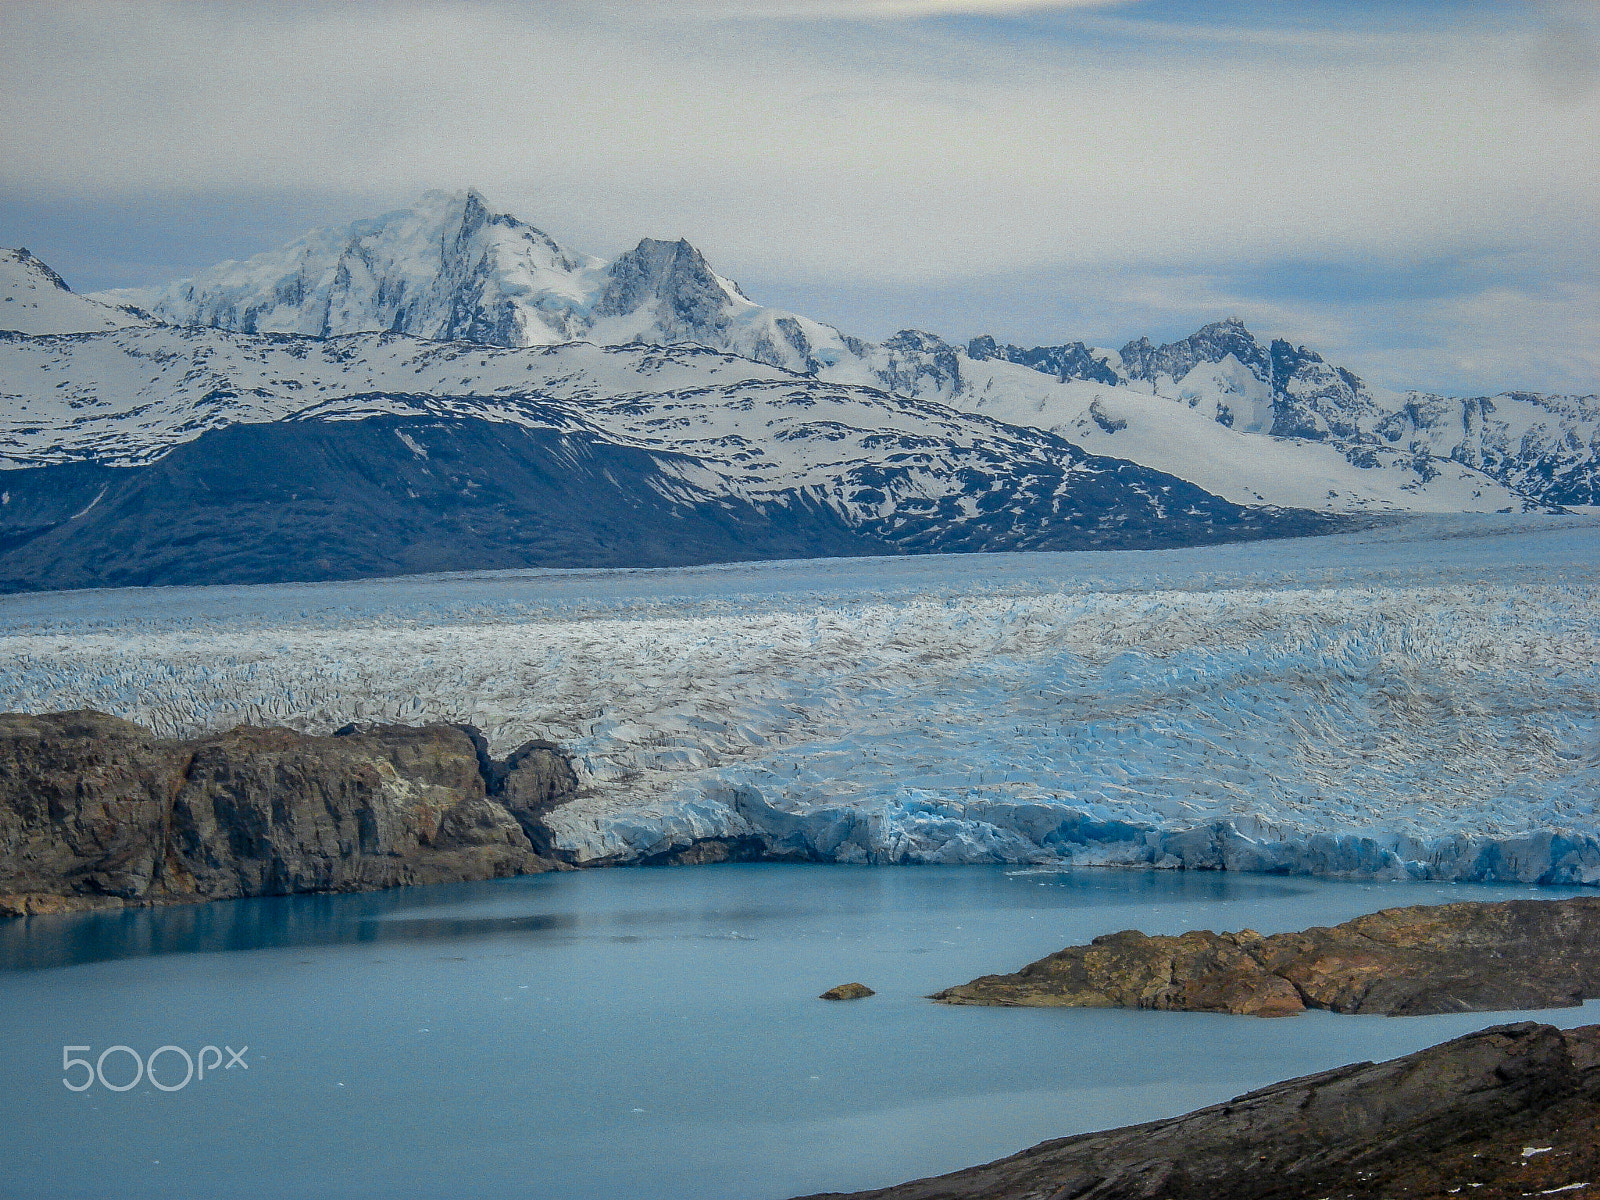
(99, 812)
(1509, 1111)
(1071, 361)
(1469, 957)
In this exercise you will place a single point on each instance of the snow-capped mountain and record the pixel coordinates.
(447, 268)
(1546, 446)
(1284, 426)
(258, 457)
(754, 432)
(129, 397)
(1171, 429)
(34, 299)
(1304, 424)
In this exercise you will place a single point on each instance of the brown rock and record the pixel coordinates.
(95, 812)
(1468, 957)
(1449, 1121)
(271, 811)
(848, 991)
(536, 778)
(84, 800)
(36, 904)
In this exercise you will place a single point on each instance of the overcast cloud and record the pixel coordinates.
(1412, 188)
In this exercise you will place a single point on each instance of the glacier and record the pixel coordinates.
(1420, 700)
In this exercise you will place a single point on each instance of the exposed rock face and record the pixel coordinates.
(1469, 957)
(1460, 1118)
(86, 798)
(530, 781)
(1071, 361)
(99, 812)
(689, 300)
(1213, 343)
(920, 364)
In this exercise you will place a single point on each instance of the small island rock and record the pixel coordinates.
(848, 991)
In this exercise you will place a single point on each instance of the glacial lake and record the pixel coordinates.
(631, 1032)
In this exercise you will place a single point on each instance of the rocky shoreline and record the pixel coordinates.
(97, 812)
(1466, 957)
(1506, 1112)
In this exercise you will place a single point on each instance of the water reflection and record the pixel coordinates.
(273, 923)
(634, 905)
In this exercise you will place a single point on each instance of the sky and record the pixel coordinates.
(1410, 187)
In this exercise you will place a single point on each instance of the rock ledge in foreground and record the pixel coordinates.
(1454, 1120)
(1467, 957)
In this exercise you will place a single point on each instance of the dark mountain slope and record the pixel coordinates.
(336, 500)
(311, 499)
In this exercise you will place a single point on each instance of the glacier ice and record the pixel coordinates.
(1420, 700)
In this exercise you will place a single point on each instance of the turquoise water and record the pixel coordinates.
(630, 1033)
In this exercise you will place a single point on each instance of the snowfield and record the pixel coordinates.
(1172, 431)
(1421, 699)
(130, 397)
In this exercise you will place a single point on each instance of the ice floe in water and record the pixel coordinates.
(1417, 700)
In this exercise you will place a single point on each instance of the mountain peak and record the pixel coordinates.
(446, 266)
(35, 300)
(449, 267)
(919, 340)
(21, 258)
(673, 283)
(1211, 343)
(1074, 360)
